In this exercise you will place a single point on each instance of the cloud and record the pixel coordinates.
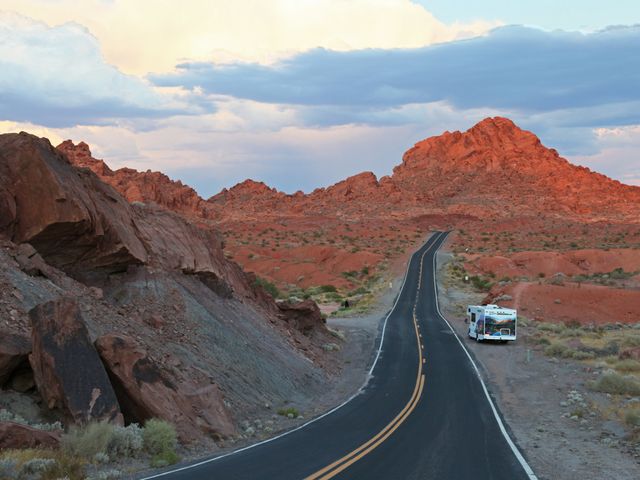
(147, 35)
(513, 68)
(56, 76)
(617, 153)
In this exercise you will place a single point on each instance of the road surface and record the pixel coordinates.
(424, 414)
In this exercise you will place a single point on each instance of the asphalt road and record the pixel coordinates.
(424, 414)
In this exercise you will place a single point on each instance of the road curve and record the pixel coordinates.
(424, 414)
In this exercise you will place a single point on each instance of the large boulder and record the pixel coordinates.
(16, 435)
(304, 316)
(14, 350)
(146, 390)
(71, 218)
(67, 369)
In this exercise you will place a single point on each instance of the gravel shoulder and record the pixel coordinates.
(560, 425)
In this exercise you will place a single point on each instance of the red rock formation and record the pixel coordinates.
(67, 369)
(147, 187)
(16, 435)
(147, 391)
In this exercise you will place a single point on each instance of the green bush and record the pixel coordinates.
(617, 384)
(285, 412)
(164, 459)
(268, 286)
(327, 289)
(159, 437)
(632, 417)
(88, 440)
(481, 284)
(555, 349)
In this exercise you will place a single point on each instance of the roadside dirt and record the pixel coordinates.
(561, 426)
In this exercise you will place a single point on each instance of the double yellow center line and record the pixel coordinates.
(341, 464)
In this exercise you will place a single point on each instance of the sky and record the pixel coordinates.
(303, 93)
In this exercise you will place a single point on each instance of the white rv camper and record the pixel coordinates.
(491, 322)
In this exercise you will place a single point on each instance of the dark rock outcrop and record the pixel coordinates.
(67, 369)
(14, 350)
(304, 316)
(146, 390)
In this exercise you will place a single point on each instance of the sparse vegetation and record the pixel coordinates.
(616, 384)
(268, 286)
(289, 412)
(160, 440)
(86, 442)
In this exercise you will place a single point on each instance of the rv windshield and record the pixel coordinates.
(503, 325)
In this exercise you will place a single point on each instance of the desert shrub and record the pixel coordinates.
(620, 274)
(285, 412)
(7, 416)
(37, 467)
(542, 341)
(89, 440)
(628, 365)
(126, 441)
(573, 324)
(164, 459)
(334, 297)
(111, 474)
(159, 436)
(555, 349)
(40, 463)
(579, 355)
(8, 468)
(327, 289)
(358, 291)
(481, 284)
(337, 333)
(268, 286)
(572, 332)
(550, 327)
(632, 417)
(101, 457)
(631, 341)
(617, 384)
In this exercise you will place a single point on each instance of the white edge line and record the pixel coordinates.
(384, 326)
(527, 469)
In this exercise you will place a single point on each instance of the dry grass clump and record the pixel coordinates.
(632, 417)
(41, 464)
(628, 365)
(616, 384)
(550, 327)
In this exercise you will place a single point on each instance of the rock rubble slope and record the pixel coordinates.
(151, 278)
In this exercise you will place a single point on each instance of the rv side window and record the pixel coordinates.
(473, 318)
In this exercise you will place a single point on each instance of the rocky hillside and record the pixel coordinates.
(494, 168)
(138, 303)
(493, 179)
